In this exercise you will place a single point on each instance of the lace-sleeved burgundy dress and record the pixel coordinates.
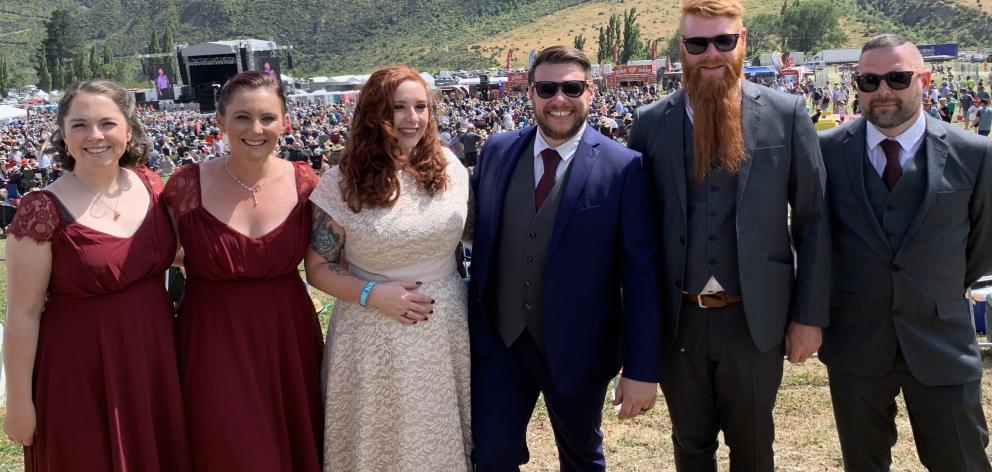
(249, 341)
(106, 384)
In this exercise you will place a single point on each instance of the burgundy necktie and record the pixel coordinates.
(893, 169)
(547, 182)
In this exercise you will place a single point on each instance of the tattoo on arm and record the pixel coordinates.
(326, 240)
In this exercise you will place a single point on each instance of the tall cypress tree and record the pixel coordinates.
(44, 76)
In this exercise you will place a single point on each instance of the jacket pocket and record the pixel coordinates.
(953, 309)
(954, 197)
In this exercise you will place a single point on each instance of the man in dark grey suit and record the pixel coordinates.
(911, 206)
(740, 286)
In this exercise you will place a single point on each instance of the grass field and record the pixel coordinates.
(806, 436)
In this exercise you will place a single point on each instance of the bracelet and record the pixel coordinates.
(363, 297)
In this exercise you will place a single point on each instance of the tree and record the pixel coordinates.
(81, 67)
(609, 38)
(68, 74)
(674, 48)
(4, 76)
(94, 63)
(168, 45)
(632, 47)
(762, 33)
(579, 42)
(153, 43)
(61, 37)
(44, 76)
(811, 25)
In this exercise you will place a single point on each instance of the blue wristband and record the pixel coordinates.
(363, 297)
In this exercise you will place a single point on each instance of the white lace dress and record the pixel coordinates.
(396, 397)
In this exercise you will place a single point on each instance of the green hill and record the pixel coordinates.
(352, 36)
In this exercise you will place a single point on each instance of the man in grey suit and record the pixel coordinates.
(740, 286)
(910, 201)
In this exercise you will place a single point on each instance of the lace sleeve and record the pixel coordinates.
(37, 217)
(154, 181)
(182, 191)
(306, 179)
(327, 196)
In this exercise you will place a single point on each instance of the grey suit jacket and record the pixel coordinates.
(909, 296)
(784, 270)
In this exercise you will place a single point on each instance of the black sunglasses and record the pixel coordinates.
(571, 88)
(723, 43)
(897, 80)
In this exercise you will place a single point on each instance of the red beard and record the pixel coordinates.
(718, 131)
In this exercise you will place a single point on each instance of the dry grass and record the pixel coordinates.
(984, 5)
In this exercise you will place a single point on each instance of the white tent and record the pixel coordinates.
(8, 112)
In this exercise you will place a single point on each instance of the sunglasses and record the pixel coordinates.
(723, 42)
(571, 88)
(897, 80)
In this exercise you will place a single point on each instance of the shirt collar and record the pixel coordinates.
(907, 140)
(566, 150)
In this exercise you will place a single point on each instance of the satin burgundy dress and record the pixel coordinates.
(249, 341)
(106, 383)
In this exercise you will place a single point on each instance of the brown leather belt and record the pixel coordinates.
(712, 300)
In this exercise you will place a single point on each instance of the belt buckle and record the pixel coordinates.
(699, 301)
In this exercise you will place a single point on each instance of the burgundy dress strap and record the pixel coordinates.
(151, 179)
(182, 191)
(37, 217)
(306, 179)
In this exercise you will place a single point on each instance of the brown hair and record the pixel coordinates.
(249, 80)
(560, 55)
(136, 152)
(368, 165)
(887, 40)
(713, 8)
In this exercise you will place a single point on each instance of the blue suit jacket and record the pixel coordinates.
(604, 241)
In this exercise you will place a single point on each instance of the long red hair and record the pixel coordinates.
(369, 163)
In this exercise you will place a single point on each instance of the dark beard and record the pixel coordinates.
(552, 134)
(894, 118)
(718, 131)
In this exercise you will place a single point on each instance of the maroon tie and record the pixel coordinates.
(893, 169)
(547, 182)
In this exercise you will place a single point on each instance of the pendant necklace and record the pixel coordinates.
(252, 190)
(99, 197)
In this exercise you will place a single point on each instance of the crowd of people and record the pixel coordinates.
(689, 240)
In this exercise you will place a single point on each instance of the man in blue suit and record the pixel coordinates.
(562, 225)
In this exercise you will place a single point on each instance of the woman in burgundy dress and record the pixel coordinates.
(92, 378)
(249, 341)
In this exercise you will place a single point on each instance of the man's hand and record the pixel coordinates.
(801, 341)
(635, 397)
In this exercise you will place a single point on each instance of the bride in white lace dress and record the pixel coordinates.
(396, 366)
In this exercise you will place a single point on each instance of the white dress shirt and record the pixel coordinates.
(910, 142)
(566, 150)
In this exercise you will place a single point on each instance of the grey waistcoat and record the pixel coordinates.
(895, 210)
(711, 244)
(521, 251)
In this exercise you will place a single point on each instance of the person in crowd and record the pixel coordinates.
(249, 340)
(944, 110)
(89, 346)
(560, 207)
(910, 199)
(386, 222)
(741, 286)
(470, 142)
(983, 118)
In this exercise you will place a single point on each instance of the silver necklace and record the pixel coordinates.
(99, 197)
(252, 190)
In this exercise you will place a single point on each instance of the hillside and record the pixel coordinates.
(353, 36)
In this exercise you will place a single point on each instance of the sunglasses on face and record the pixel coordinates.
(698, 44)
(571, 88)
(897, 80)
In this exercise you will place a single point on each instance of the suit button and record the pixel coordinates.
(530, 259)
(712, 262)
(713, 189)
(712, 238)
(889, 207)
(527, 283)
(896, 268)
(713, 213)
(532, 235)
(682, 239)
(678, 284)
(526, 306)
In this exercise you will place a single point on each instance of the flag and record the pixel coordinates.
(530, 59)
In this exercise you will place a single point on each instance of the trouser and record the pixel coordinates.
(948, 423)
(714, 379)
(505, 387)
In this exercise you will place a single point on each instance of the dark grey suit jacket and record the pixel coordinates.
(784, 270)
(910, 296)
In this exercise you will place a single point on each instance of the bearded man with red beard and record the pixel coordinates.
(732, 164)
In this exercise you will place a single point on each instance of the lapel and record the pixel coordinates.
(936, 146)
(504, 169)
(674, 119)
(855, 145)
(751, 108)
(583, 162)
